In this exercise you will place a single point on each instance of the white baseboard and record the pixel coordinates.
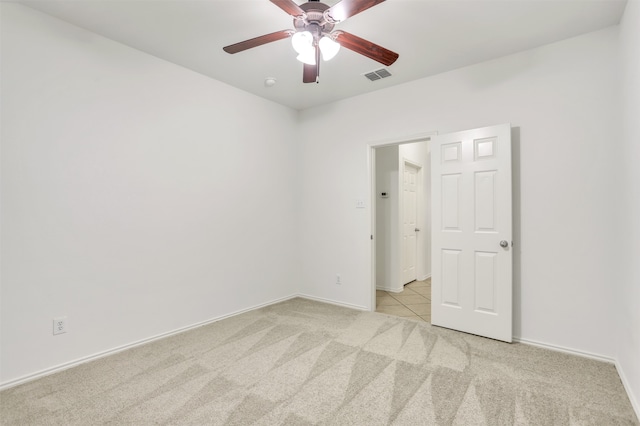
(333, 302)
(392, 290)
(70, 364)
(398, 290)
(565, 350)
(83, 360)
(635, 403)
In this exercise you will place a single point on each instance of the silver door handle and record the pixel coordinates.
(504, 244)
(417, 229)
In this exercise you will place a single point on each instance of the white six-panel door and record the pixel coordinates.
(471, 242)
(409, 222)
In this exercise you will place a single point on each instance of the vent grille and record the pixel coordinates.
(377, 74)
(372, 76)
(383, 73)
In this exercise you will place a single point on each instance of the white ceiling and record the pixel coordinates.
(431, 36)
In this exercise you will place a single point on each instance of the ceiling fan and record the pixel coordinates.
(313, 35)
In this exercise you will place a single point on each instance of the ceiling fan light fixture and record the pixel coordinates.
(308, 56)
(312, 36)
(302, 41)
(328, 47)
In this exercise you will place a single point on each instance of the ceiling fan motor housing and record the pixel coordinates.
(314, 21)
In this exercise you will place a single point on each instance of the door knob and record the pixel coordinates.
(504, 244)
(417, 229)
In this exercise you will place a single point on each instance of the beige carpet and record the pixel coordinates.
(302, 362)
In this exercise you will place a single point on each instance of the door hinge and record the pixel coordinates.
(372, 236)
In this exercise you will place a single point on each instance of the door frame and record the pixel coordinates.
(371, 159)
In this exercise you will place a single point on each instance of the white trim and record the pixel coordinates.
(625, 382)
(565, 350)
(401, 140)
(425, 277)
(392, 290)
(333, 302)
(70, 364)
(627, 387)
(371, 169)
(411, 163)
(83, 360)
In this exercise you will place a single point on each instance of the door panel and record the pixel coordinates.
(451, 278)
(451, 202)
(409, 222)
(471, 205)
(485, 281)
(485, 208)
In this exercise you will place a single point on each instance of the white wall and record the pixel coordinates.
(565, 115)
(628, 298)
(136, 200)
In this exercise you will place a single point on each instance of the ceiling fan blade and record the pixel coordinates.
(347, 8)
(366, 48)
(311, 73)
(257, 41)
(289, 6)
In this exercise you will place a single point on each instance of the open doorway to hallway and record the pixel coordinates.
(402, 222)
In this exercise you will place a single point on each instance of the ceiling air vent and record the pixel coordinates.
(378, 74)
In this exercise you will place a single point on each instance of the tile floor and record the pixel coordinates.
(413, 302)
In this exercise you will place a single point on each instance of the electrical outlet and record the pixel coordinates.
(59, 325)
(338, 279)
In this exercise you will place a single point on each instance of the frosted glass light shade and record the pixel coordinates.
(302, 41)
(328, 48)
(308, 56)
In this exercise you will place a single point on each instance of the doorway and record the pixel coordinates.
(471, 214)
(401, 223)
